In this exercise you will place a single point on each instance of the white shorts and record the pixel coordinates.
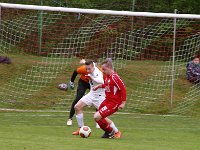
(93, 99)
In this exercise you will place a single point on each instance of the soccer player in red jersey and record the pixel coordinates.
(115, 98)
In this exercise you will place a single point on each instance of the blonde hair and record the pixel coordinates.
(108, 63)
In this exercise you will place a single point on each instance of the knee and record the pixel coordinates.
(97, 117)
(77, 107)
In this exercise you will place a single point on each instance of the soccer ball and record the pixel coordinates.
(85, 132)
(62, 86)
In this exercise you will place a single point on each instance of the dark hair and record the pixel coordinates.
(89, 62)
(195, 57)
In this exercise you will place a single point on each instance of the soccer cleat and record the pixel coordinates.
(105, 135)
(111, 134)
(69, 122)
(97, 126)
(118, 135)
(76, 132)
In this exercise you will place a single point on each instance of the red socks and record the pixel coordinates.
(104, 125)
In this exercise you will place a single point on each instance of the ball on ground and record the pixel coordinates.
(85, 132)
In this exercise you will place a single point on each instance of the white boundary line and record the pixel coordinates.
(60, 111)
(95, 11)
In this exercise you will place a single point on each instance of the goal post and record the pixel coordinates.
(149, 51)
(94, 11)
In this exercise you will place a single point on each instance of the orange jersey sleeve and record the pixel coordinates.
(82, 70)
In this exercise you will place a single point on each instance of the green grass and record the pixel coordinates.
(20, 64)
(47, 131)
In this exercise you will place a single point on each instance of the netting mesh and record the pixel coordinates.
(45, 48)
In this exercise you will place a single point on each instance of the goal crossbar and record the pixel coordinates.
(95, 11)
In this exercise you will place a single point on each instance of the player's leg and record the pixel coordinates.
(112, 124)
(99, 98)
(104, 125)
(81, 89)
(84, 101)
(105, 110)
(79, 115)
(97, 125)
(79, 112)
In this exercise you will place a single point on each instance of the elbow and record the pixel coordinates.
(101, 82)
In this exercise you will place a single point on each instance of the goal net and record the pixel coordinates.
(149, 51)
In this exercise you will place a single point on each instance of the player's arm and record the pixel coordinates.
(73, 77)
(122, 105)
(79, 70)
(98, 86)
(98, 79)
(119, 83)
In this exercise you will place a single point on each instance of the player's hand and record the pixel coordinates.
(71, 84)
(95, 88)
(122, 105)
(88, 77)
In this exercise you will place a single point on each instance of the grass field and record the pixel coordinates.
(47, 131)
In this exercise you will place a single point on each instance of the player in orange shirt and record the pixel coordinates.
(83, 85)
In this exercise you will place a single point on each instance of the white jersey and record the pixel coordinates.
(95, 97)
(97, 76)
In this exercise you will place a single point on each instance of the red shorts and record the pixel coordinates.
(107, 108)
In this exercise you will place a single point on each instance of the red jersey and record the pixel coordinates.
(114, 88)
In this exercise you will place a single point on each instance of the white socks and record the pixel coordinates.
(112, 125)
(79, 118)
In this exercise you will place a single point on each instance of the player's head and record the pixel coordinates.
(195, 60)
(89, 66)
(107, 66)
(82, 61)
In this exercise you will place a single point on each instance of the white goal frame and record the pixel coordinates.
(95, 11)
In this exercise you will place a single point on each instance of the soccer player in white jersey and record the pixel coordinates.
(95, 98)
